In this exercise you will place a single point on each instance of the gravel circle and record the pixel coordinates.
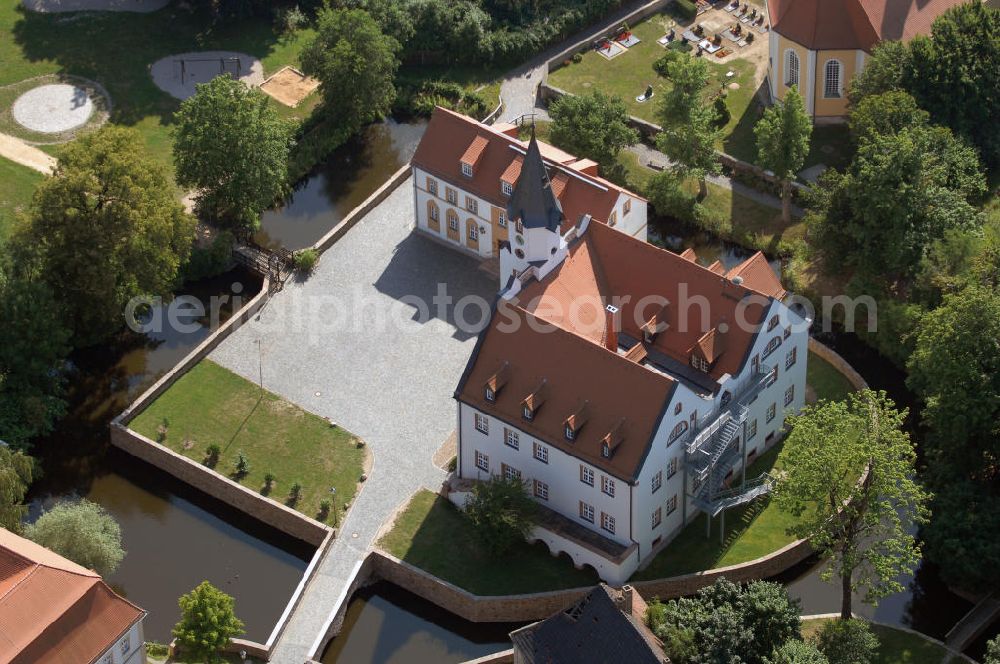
(54, 108)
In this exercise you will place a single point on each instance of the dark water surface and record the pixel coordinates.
(339, 184)
(175, 537)
(385, 624)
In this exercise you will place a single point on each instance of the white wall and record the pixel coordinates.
(633, 223)
(482, 216)
(561, 473)
(136, 653)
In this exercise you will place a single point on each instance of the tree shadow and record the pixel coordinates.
(741, 142)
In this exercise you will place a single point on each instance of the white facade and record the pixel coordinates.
(129, 649)
(782, 343)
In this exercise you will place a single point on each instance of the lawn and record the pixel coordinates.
(752, 530)
(896, 646)
(116, 49)
(210, 405)
(17, 185)
(432, 534)
(627, 76)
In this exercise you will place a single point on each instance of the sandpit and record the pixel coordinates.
(289, 86)
(59, 6)
(54, 108)
(177, 75)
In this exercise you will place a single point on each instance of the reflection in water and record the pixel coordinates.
(385, 624)
(677, 237)
(174, 536)
(341, 183)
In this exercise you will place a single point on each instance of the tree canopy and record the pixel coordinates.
(103, 229)
(885, 114)
(783, 143)
(208, 621)
(356, 66)
(501, 512)
(81, 531)
(689, 128)
(16, 472)
(847, 476)
(593, 125)
(231, 147)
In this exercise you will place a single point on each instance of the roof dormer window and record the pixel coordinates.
(528, 413)
(605, 450)
(491, 395)
(506, 187)
(575, 422)
(570, 433)
(466, 170)
(699, 363)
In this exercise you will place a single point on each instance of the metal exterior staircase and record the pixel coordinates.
(713, 452)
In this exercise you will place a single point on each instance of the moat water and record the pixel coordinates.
(177, 537)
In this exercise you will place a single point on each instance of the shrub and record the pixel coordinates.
(269, 479)
(156, 649)
(208, 621)
(290, 19)
(797, 652)
(685, 9)
(848, 642)
(578, 57)
(295, 492)
(501, 512)
(722, 114)
(212, 454)
(242, 465)
(680, 45)
(663, 62)
(211, 260)
(306, 259)
(324, 509)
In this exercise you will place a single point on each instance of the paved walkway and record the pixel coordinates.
(27, 155)
(390, 384)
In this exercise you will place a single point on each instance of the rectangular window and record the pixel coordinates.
(482, 461)
(569, 433)
(672, 468)
(473, 232)
(790, 358)
(506, 187)
(831, 87)
(672, 504)
(126, 646)
(453, 222)
(512, 438)
(541, 452)
(608, 522)
(789, 394)
(788, 332)
(587, 475)
(471, 204)
(435, 214)
(528, 413)
(608, 485)
(541, 490)
(502, 219)
(586, 512)
(451, 195)
(699, 363)
(482, 424)
(772, 377)
(773, 323)
(657, 481)
(753, 429)
(490, 394)
(770, 412)
(510, 473)
(466, 170)
(627, 206)
(432, 186)
(657, 516)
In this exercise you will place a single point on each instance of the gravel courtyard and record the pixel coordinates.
(323, 347)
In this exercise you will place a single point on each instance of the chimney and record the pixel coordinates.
(627, 595)
(611, 328)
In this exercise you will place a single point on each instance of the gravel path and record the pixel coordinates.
(59, 6)
(27, 155)
(391, 385)
(53, 108)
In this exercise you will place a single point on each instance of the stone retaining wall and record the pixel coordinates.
(355, 215)
(502, 657)
(839, 363)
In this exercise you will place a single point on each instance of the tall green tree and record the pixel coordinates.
(861, 526)
(81, 531)
(900, 194)
(356, 65)
(231, 147)
(104, 229)
(689, 129)
(33, 347)
(955, 74)
(208, 621)
(16, 472)
(883, 71)
(886, 113)
(501, 512)
(593, 125)
(955, 369)
(783, 143)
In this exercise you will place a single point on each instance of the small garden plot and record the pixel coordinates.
(179, 75)
(289, 86)
(52, 109)
(609, 49)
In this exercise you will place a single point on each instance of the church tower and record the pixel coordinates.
(536, 218)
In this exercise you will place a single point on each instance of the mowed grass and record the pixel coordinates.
(628, 74)
(210, 405)
(17, 186)
(116, 49)
(895, 645)
(752, 530)
(432, 534)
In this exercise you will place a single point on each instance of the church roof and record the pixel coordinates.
(853, 24)
(534, 201)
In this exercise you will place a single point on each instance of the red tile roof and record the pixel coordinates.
(451, 136)
(853, 24)
(52, 611)
(606, 266)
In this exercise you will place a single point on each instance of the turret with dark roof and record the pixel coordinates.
(533, 202)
